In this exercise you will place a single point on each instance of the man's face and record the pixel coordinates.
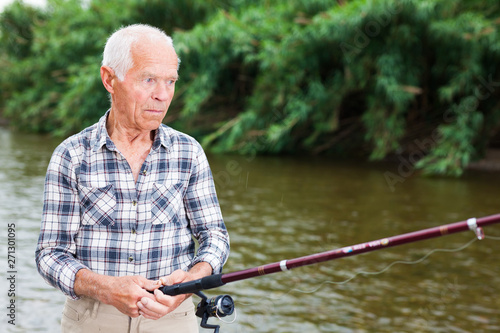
(141, 100)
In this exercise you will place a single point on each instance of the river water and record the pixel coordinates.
(284, 207)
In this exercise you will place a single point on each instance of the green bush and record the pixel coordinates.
(360, 77)
(51, 82)
(374, 77)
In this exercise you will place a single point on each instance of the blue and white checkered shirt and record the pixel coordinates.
(96, 216)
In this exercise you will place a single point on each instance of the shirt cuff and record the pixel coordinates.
(212, 259)
(67, 277)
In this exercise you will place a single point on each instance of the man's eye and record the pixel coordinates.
(149, 80)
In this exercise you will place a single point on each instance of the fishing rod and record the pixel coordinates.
(223, 305)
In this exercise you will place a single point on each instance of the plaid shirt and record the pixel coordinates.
(96, 216)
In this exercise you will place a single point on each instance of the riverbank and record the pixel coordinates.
(491, 161)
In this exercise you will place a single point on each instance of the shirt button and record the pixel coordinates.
(134, 203)
(130, 258)
(133, 231)
(144, 172)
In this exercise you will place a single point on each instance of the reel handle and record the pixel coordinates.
(191, 287)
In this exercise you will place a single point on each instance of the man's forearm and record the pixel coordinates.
(90, 284)
(200, 270)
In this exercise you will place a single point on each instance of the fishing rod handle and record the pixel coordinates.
(190, 287)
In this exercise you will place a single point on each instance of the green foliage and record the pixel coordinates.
(365, 77)
(405, 64)
(16, 25)
(456, 147)
(51, 81)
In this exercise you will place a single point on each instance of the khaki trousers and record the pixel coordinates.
(88, 316)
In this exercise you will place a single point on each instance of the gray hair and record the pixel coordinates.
(117, 52)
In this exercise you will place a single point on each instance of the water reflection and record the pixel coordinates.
(24, 160)
(280, 208)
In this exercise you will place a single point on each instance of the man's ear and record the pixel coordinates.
(107, 77)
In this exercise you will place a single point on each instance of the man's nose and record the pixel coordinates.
(162, 92)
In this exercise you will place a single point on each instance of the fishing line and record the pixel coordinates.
(402, 262)
(492, 237)
(227, 322)
(366, 273)
(223, 305)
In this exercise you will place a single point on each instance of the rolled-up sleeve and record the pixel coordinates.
(203, 211)
(55, 251)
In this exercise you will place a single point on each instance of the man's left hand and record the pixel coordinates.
(165, 304)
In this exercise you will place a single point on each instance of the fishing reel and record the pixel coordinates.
(217, 306)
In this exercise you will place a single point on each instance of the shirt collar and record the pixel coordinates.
(102, 138)
(162, 136)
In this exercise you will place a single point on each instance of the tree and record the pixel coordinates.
(373, 76)
(364, 77)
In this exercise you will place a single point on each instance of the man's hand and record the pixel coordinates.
(123, 293)
(164, 304)
(127, 291)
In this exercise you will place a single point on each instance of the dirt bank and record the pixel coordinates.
(491, 162)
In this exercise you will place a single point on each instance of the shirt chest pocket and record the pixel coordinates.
(98, 205)
(166, 203)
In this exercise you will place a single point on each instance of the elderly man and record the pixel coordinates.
(124, 198)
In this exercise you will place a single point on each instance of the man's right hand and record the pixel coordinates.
(121, 292)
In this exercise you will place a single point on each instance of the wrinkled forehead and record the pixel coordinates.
(150, 53)
(152, 47)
